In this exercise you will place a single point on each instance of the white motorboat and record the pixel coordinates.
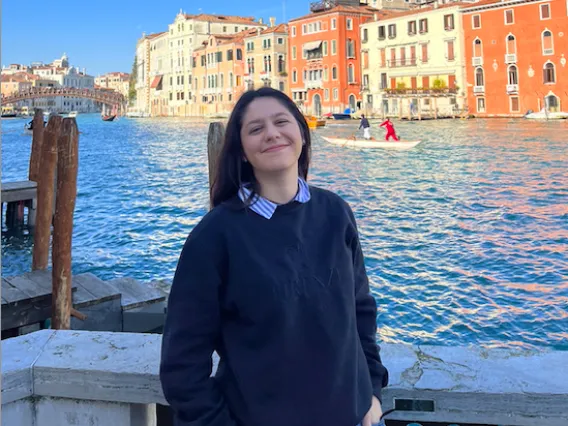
(364, 143)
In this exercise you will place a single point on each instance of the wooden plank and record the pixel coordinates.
(18, 185)
(30, 288)
(43, 278)
(135, 294)
(20, 314)
(101, 290)
(22, 195)
(10, 294)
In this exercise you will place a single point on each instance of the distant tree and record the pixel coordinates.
(132, 82)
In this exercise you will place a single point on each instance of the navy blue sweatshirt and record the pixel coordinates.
(285, 303)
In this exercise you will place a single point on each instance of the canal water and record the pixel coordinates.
(465, 236)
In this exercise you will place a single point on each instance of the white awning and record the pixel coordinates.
(312, 45)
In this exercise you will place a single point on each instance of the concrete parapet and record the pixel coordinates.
(69, 377)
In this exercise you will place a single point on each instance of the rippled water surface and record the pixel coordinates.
(465, 236)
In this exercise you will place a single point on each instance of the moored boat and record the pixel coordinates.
(364, 143)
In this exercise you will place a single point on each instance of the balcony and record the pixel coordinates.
(512, 88)
(313, 84)
(477, 61)
(478, 90)
(446, 91)
(408, 62)
(511, 58)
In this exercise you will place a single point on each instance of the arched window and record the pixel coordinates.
(479, 78)
(350, 73)
(334, 73)
(552, 102)
(547, 43)
(513, 75)
(511, 45)
(549, 73)
(477, 48)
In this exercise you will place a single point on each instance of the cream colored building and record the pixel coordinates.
(118, 81)
(166, 59)
(412, 62)
(266, 58)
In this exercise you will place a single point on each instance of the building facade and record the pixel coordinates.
(325, 45)
(164, 72)
(266, 53)
(516, 56)
(218, 70)
(413, 63)
(117, 81)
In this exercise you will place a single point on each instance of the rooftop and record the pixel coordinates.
(250, 20)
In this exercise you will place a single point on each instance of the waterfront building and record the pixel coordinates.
(516, 56)
(117, 81)
(172, 74)
(413, 62)
(218, 70)
(265, 57)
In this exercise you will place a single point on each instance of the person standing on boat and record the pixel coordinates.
(387, 124)
(273, 280)
(366, 127)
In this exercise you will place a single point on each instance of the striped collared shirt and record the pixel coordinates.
(266, 208)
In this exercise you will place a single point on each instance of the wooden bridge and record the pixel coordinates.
(107, 97)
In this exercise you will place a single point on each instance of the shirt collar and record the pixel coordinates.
(266, 208)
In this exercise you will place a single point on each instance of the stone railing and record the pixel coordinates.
(69, 378)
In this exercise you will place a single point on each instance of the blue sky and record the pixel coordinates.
(101, 36)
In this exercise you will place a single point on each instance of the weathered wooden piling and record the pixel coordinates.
(45, 193)
(215, 140)
(37, 140)
(67, 166)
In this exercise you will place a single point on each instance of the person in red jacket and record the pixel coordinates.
(390, 129)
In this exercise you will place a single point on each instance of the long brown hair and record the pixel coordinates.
(232, 171)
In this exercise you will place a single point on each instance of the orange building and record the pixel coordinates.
(218, 69)
(325, 53)
(515, 56)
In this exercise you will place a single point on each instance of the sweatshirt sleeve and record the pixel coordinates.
(191, 331)
(366, 310)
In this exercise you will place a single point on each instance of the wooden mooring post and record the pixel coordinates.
(215, 139)
(45, 193)
(37, 141)
(67, 166)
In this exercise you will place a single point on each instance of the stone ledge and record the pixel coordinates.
(469, 384)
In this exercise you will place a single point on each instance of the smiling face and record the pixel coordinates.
(271, 136)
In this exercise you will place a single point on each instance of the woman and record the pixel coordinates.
(273, 280)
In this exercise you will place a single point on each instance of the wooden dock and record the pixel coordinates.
(121, 304)
(18, 196)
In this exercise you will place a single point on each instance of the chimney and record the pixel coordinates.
(272, 21)
(260, 21)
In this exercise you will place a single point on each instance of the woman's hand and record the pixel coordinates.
(374, 414)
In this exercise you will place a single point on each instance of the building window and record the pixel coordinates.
(333, 24)
(324, 48)
(350, 73)
(476, 22)
(423, 26)
(449, 22)
(545, 11)
(334, 47)
(350, 48)
(480, 104)
(547, 43)
(509, 17)
(392, 31)
(281, 86)
(365, 35)
(281, 64)
(295, 76)
(450, 55)
(514, 104)
(293, 31)
(326, 94)
(477, 48)
(335, 94)
(424, 53)
(382, 34)
(549, 73)
(280, 40)
(479, 79)
(349, 23)
(513, 75)
(384, 83)
(511, 45)
(411, 27)
(293, 52)
(334, 73)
